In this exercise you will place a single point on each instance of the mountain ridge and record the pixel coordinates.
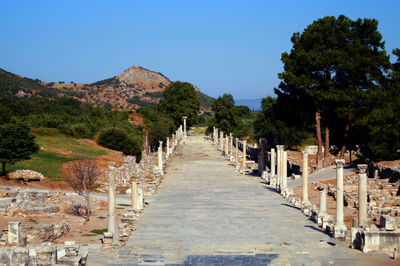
(135, 87)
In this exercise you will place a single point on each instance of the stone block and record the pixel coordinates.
(339, 231)
(46, 255)
(108, 238)
(388, 222)
(14, 233)
(19, 256)
(380, 241)
(327, 220)
(71, 250)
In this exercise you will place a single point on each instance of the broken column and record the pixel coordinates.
(133, 194)
(244, 164)
(111, 223)
(339, 230)
(362, 195)
(226, 145)
(261, 156)
(272, 162)
(305, 177)
(284, 171)
(14, 233)
(160, 161)
(322, 207)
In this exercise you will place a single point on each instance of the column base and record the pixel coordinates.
(339, 231)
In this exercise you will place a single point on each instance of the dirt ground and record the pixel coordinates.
(80, 230)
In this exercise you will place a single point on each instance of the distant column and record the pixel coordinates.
(261, 156)
(272, 162)
(133, 194)
(362, 195)
(284, 170)
(168, 151)
(244, 162)
(322, 206)
(160, 161)
(111, 220)
(279, 166)
(339, 228)
(236, 150)
(226, 145)
(184, 126)
(231, 145)
(221, 140)
(305, 176)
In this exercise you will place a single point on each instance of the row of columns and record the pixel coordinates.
(137, 193)
(224, 143)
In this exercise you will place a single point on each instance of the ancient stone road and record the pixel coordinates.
(206, 214)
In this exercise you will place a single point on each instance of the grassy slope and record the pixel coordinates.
(55, 151)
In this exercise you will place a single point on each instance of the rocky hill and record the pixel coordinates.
(134, 88)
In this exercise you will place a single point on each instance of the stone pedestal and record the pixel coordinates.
(305, 177)
(14, 234)
(339, 230)
(362, 195)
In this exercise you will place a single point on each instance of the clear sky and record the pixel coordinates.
(221, 46)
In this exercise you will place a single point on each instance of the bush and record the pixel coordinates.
(119, 139)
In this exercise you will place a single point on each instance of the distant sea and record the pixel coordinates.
(253, 104)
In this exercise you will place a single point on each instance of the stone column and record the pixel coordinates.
(14, 234)
(236, 150)
(244, 163)
(231, 145)
(226, 145)
(213, 135)
(339, 228)
(168, 152)
(261, 156)
(284, 170)
(362, 195)
(221, 138)
(133, 194)
(140, 199)
(322, 206)
(305, 177)
(279, 166)
(273, 162)
(184, 126)
(160, 161)
(111, 220)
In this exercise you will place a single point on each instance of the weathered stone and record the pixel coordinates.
(50, 232)
(46, 255)
(14, 233)
(19, 256)
(382, 241)
(387, 222)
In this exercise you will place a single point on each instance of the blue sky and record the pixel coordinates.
(221, 46)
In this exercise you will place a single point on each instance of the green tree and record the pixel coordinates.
(225, 114)
(333, 66)
(16, 144)
(180, 99)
